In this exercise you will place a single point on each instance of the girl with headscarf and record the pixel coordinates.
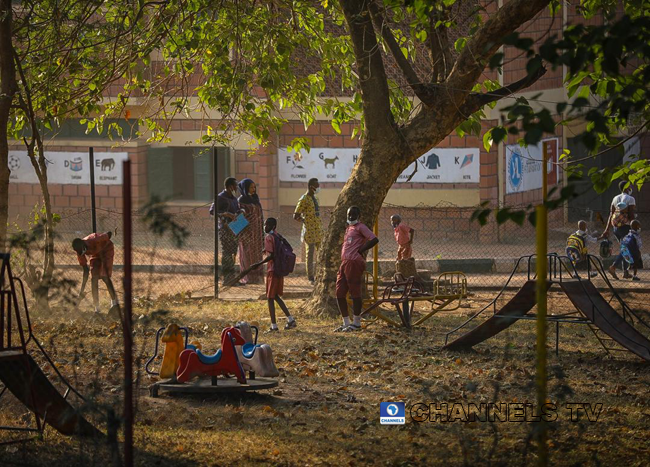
(251, 240)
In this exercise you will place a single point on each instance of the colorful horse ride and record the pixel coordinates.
(254, 357)
(192, 362)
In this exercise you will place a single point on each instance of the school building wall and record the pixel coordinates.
(261, 164)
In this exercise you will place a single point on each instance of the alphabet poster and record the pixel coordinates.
(69, 168)
(446, 165)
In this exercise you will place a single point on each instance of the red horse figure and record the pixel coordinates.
(225, 362)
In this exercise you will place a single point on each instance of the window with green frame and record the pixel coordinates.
(184, 173)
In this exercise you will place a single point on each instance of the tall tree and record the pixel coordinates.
(390, 146)
(8, 88)
(58, 61)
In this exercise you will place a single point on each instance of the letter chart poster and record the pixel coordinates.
(447, 165)
(69, 168)
(524, 165)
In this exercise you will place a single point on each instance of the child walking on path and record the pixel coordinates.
(630, 251)
(404, 238)
(274, 282)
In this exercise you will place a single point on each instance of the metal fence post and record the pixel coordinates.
(215, 183)
(93, 209)
(126, 324)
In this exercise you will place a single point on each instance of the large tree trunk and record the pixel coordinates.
(377, 169)
(8, 87)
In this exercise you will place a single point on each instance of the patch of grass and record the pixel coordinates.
(326, 408)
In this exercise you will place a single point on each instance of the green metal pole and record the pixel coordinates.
(542, 237)
(541, 332)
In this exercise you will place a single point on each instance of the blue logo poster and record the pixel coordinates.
(392, 413)
(515, 170)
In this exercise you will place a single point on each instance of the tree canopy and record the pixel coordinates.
(406, 73)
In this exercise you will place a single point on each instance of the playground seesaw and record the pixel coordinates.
(617, 329)
(447, 294)
(21, 375)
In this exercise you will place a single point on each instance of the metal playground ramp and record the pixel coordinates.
(617, 331)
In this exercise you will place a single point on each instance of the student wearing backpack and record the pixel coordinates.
(620, 216)
(576, 245)
(357, 241)
(280, 262)
(631, 250)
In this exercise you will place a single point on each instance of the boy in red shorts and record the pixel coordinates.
(403, 236)
(274, 283)
(357, 241)
(99, 248)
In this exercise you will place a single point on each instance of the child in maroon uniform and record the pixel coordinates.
(404, 238)
(99, 248)
(274, 283)
(357, 241)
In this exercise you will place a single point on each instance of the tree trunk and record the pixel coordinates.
(8, 87)
(42, 286)
(378, 167)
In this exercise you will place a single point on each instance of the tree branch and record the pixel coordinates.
(419, 88)
(439, 48)
(475, 101)
(486, 41)
(372, 75)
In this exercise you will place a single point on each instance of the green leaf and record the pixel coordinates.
(460, 44)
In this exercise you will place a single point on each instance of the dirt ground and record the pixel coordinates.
(325, 410)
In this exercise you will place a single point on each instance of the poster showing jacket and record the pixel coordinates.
(446, 165)
(524, 165)
(69, 168)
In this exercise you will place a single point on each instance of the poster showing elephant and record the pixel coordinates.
(69, 168)
(439, 165)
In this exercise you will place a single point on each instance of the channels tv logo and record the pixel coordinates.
(392, 413)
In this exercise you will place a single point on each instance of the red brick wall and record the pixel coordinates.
(538, 29)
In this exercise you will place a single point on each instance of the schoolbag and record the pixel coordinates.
(284, 259)
(576, 248)
(620, 217)
(605, 249)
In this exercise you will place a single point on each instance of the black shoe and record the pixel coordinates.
(290, 324)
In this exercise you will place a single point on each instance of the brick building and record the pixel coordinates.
(182, 170)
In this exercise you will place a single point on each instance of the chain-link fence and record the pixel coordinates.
(445, 240)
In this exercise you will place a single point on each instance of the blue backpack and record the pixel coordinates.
(284, 259)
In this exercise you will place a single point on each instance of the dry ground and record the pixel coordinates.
(326, 408)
